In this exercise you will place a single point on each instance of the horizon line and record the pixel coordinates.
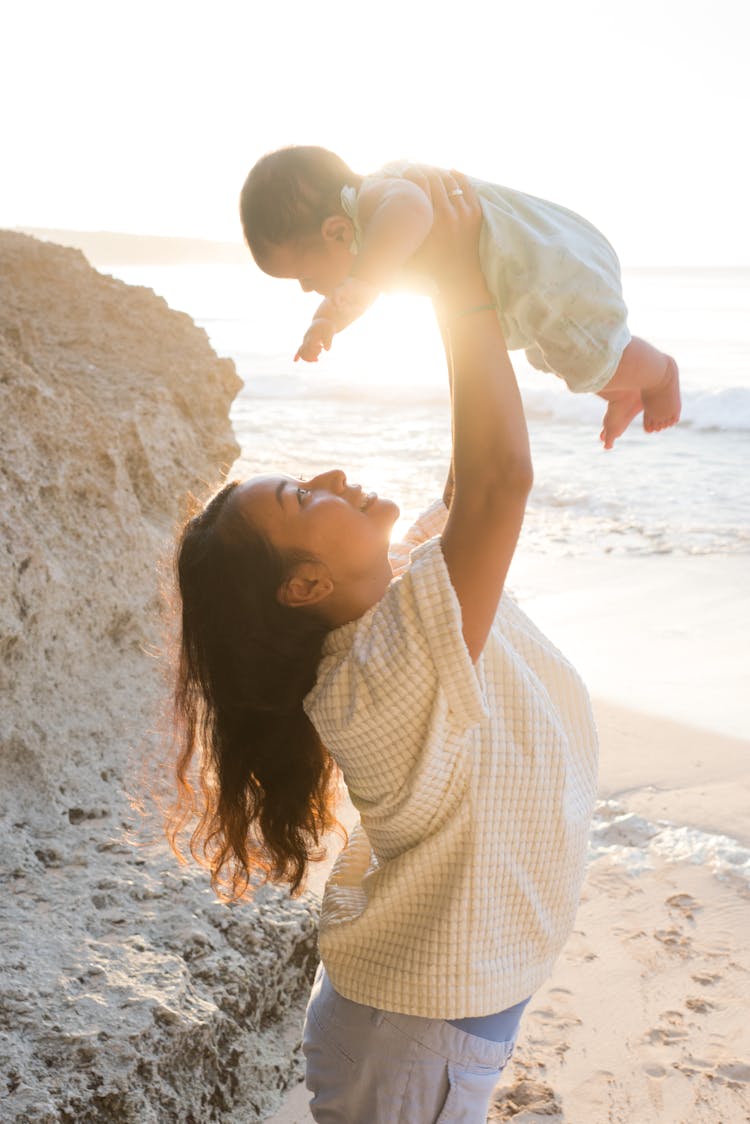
(238, 244)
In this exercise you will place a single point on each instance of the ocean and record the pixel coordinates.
(377, 405)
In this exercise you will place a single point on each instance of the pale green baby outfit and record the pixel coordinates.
(555, 278)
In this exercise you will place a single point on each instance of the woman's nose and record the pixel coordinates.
(306, 286)
(333, 481)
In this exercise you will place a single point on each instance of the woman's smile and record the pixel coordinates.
(326, 518)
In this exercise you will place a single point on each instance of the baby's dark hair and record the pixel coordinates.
(289, 193)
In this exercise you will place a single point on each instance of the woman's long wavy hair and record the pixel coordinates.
(265, 784)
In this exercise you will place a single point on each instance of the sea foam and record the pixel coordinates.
(636, 843)
(276, 377)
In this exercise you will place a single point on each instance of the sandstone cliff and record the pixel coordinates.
(127, 993)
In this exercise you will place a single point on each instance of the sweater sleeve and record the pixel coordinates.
(430, 523)
(396, 705)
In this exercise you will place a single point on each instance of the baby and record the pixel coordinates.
(554, 278)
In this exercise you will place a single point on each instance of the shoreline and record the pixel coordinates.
(662, 769)
(667, 630)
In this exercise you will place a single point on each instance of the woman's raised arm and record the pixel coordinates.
(491, 458)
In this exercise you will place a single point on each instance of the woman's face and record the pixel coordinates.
(345, 529)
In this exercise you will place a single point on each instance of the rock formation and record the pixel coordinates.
(127, 992)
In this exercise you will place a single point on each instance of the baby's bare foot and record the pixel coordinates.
(623, 407)
(662, 404)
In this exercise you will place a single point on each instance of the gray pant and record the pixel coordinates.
(366, 1066)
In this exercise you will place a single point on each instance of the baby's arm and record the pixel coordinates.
(396, 217)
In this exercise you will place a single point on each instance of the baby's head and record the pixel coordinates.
(292, 216)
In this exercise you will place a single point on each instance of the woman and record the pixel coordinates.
(464, 737)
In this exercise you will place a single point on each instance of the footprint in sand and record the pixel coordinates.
(705, 979)
(557, 1019)
(526, 1097)
(550, 1026)
(700, 1006)
(735, 1073)
(671, 1031)
(674, 940)
(666, 1035)
(686, 904)
(693, 1067)
(578, 950)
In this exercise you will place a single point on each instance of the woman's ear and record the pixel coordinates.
(307, 586)
(337, 228)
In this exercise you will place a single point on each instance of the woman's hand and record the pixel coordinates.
(451, 252)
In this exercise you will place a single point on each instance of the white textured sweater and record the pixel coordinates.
(475, 787)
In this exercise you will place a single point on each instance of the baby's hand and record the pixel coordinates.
(318, 337)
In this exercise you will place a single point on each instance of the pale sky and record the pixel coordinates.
(146, 117)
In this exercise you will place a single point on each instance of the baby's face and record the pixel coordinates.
(319, 264)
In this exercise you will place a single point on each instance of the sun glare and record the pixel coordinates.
(396, 343)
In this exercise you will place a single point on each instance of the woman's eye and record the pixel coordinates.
(301, 493)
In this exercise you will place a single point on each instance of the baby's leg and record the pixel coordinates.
(646, 379)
